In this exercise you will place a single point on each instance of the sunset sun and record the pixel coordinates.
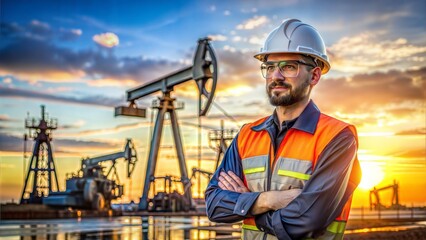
(372, 174)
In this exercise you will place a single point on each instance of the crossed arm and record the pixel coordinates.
(267, 201)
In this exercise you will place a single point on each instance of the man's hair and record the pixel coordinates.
(313, 61)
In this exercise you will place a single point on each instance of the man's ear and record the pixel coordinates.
(315, 76)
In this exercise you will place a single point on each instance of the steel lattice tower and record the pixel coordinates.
(41, 170)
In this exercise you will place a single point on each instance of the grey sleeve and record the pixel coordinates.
(336, 175)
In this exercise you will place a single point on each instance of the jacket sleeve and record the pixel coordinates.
(223, 205)
(336, 176)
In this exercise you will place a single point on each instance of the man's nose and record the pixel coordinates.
(276, 75)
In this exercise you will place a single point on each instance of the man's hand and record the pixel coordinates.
(274, 200)
(267, 201)
(230, 181)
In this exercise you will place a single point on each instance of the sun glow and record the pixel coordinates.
(372, 175)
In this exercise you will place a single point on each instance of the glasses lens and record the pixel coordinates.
(289, 68)
(267, 69)
(286, 68)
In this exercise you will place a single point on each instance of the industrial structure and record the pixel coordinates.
(377, 204)
(41, 179)
(204, 73)
(219, 141)
(91, 188)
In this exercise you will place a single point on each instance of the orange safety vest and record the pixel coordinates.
(290, 168)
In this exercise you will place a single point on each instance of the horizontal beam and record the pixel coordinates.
(110, 157)
(164, 84)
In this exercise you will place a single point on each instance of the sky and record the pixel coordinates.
(79, 59)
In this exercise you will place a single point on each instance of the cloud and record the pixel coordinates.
(10, 29)
(366, 52)
(6, 118)
(218, 37)
(391, 96)
(107, 40)
(69, 34)
(417, 131)
(34, 60)
(116, 129)
(38, 30)
(74, 125)
(253, 23)
(89, 100)
(237, 70)
(10, 143)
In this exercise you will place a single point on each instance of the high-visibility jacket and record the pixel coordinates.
(289, 168)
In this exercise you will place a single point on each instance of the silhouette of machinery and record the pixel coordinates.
(91, 188)
(219, 141)
(204, 73)
(377, 204)
(41, 177)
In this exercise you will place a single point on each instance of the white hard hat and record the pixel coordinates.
(294, 36)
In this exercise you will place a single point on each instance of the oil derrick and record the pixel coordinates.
(41, 176)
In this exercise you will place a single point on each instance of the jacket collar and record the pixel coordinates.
(307, 121)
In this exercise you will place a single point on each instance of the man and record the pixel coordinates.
(290, 175)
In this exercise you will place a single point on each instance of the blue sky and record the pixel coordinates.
(79, 57)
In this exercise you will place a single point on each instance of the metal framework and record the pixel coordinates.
(377, 205)
(204, 72)
(42, 167)
(219, 141)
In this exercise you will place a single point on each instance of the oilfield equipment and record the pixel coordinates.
(219, 141)
(41, 177)
(204, 73)
(377, 204)
(91, 188)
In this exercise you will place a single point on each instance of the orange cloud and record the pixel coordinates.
(366, 52)
(111, 82)
(47, 75)
(108, 39)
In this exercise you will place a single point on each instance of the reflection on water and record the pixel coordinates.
(365, 213)
(388, 228)
(118, 228)
(133, 227)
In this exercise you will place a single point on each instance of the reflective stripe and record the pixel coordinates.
(254, 170)
(337, 227)
(294, 174)
(250, 227)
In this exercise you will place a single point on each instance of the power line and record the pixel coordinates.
(226, 114)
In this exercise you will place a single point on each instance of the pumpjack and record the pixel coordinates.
(377, 205)
(90, 188)
(204, 73)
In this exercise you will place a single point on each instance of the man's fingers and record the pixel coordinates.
(225, 183)
(222, 186)
(236, 179)
(230, 180)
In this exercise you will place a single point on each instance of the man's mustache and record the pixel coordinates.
(279, 83)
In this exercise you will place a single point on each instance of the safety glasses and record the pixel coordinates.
(287, 68)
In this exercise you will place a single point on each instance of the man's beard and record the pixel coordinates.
(293, 96)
